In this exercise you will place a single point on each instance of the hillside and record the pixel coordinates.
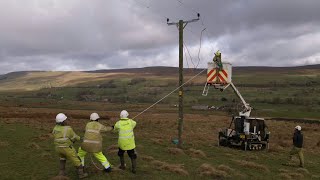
(35, 80)
(273, 92)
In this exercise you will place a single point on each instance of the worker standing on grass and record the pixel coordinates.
(297, 145)
(126, 140)
(92, 142)
(64, 137)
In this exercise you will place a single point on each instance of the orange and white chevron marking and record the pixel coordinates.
(212, 76)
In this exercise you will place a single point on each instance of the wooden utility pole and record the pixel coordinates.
(181, 25)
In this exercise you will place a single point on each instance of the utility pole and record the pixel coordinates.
(181, 25)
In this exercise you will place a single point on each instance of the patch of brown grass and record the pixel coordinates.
(253, 165)
(33, 145)
(175, 168)
(113, 149)
(157, 141)
(284, 176)
(60, 178)
(175, 151)
(196, 153)
(147, 158)
(252, 157)
(303, 171)
(315, 177)
(46, 155)
(44, 137)
(225, 168)
(296, 175)
(208, 170)
(4, 144)
(284, 170)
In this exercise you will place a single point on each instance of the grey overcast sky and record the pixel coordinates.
(103, 34)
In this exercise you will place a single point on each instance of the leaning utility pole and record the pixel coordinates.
(181, 25)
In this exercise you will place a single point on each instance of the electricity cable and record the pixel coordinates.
(169, 94)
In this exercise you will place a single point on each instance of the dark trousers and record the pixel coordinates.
(131, 153)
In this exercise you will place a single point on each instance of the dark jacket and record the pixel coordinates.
(298, 139)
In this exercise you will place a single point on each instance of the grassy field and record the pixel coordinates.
(26, 148)
(30, 101)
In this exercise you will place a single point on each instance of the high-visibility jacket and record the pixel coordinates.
(217, 59)
(125, 128)
(64, 136)
(92, 141)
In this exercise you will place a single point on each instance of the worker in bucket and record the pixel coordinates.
(92, 142)
(64, 137)
(218, 60)
(297, 146)
(126, 140)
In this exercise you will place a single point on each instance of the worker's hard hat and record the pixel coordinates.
(94, 116)
(298, 128)
(124, 114)
(218, 53)
(60, 118)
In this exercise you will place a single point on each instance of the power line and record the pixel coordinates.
(169, 94)
(200, 47)
(192, 32)
(186, 47)
(187, 6)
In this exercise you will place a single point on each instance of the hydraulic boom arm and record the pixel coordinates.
(247, 108)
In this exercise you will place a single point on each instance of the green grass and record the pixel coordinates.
(19, 160)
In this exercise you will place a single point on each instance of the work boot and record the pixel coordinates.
(62, 171)
(134, 165)
(122, 165)
(81, 173)
(108, 170)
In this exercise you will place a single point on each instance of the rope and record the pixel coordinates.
(169, 94)
(95, 165)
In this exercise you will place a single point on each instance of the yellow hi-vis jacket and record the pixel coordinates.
(92, 141)
(125, 128)
(64, 136)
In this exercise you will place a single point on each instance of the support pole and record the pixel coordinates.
(181, 25)
(180, 123)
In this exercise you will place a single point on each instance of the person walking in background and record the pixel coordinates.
(297, 145)
(126, 140)
(92, 142)
(64, 137)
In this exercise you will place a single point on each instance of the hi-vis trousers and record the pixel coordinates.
(99, 156)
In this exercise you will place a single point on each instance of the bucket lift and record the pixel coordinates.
(221, 79)
(248, 133)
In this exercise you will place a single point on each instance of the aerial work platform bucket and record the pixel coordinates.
(218, 78)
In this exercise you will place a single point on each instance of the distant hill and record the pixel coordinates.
(33, 80)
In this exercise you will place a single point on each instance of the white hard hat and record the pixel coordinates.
(124, 114)
(61, 117)
(94, 116)
(298, 128)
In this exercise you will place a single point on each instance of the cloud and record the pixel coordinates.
(98, 34)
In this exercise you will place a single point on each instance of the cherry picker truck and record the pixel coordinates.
(248, 133)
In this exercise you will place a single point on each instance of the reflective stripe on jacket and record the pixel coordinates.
(125, 128)
(64, 136)
(92, 141)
